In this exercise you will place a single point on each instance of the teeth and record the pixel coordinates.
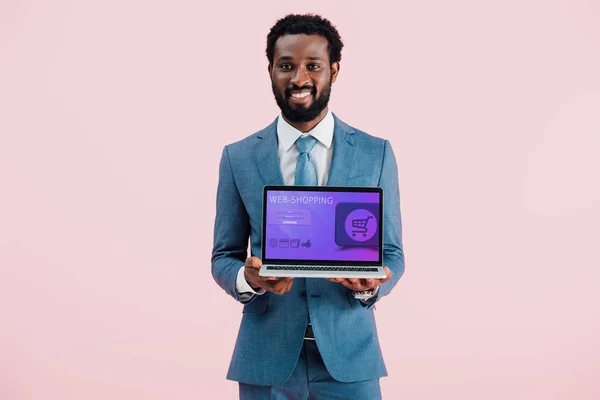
(300, 95)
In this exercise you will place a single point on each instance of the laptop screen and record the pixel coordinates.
(312, 225)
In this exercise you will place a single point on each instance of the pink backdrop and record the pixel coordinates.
(113, 115)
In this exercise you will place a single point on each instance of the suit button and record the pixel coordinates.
(303, 294)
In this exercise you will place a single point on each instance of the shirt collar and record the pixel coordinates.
(323, 132)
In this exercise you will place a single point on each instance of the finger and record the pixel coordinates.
(279, 286)
(285, 279)
(369, 283)
(352, 282)
(275, 291)
(289, 286)
(271, 287)
(355, 283)
(346, 283)
(284, 286)
(362, 285)
(268, 286)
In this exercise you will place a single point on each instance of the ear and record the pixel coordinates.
(270, 69)
(335, 69)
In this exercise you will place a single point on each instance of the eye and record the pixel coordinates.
(285, 67)
(313, 67)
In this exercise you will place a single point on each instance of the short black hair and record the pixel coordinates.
(308, 24)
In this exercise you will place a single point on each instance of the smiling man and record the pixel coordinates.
(303, 338)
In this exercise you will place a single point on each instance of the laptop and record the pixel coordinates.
(322, 232)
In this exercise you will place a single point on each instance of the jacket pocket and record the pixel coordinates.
(362, 180)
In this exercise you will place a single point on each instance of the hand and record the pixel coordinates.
(358, 285)
(269, 283)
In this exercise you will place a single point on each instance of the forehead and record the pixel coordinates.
(302, 46)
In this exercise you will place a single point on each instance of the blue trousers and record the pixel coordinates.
(311, 381)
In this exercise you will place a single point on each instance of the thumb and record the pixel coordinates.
(253, 262)
(388, 275)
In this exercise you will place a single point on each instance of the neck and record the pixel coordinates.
(308, 126)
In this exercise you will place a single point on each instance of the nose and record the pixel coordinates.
(300, 77)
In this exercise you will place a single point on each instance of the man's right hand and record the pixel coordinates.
(269, 283)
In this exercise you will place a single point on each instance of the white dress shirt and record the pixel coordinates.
(320, 155)
(288, 153)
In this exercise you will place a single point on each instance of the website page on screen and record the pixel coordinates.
(323, 226)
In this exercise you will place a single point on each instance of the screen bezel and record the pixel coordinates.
(338, 189)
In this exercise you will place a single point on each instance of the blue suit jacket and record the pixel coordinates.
(272, 328)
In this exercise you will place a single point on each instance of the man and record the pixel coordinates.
(303, 338)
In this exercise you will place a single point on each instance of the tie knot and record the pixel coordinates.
(305, 144)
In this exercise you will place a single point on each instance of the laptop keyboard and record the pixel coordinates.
(319, 268)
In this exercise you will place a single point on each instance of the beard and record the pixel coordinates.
(300, 114)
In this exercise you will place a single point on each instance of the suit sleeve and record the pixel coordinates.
(393, 254)
(231, 232)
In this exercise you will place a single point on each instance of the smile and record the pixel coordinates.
(300, 95)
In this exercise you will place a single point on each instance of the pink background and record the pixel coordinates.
(113, 115)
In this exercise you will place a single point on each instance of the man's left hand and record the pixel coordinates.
(358, 284)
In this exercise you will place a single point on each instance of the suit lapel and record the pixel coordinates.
(266, 157)
(342, 161)
(344, 152)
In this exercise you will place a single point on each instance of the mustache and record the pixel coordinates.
(294, 88)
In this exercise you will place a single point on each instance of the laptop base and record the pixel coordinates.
(322, 271)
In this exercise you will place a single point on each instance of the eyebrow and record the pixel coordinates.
(289, 58)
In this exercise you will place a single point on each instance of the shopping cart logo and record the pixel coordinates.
(357, 224)
(360, 225)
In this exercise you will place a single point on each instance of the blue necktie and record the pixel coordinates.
(306, 175)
